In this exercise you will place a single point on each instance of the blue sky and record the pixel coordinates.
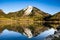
(48, 6)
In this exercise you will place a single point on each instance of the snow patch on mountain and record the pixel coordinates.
(28, 10)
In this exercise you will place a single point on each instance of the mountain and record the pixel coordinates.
(54, 20)
(30, 12)
(56, 17)
(2, 14)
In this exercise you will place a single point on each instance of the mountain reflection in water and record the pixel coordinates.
(11, 35)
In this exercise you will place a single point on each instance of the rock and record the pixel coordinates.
(55, 36)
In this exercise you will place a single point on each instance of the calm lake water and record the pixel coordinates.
(11, 35)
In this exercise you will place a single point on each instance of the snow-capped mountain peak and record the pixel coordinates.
(28, 10)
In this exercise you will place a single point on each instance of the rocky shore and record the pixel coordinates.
(55, 36)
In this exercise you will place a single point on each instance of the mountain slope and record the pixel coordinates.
(56, 17)
(2, 14)
(31, 12)
(55, 20)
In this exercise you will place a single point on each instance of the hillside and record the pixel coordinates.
(55, 20)
(2, 14)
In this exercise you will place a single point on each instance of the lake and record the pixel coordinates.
(12, 35)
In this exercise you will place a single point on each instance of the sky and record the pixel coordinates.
(48, 6)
